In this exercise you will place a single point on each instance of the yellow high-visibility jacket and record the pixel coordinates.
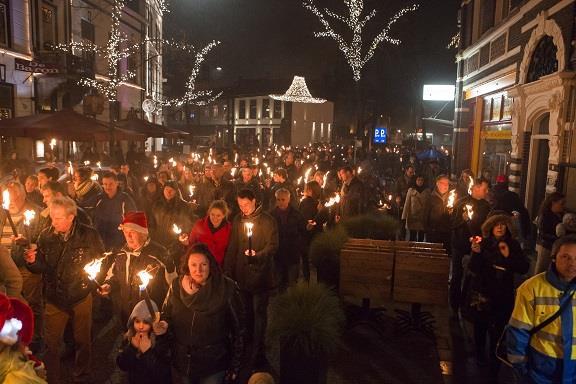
(549, 356)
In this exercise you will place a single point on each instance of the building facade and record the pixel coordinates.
(514, 111)
(35, 77)
(257, 120)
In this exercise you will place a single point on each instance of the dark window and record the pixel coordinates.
(4, 35)
(88, 34)
(242, 109)
(544, 60)
(487, 14)
(252, 109)
(277, 109)
(265, 108)
(48, 26)
(6, 101)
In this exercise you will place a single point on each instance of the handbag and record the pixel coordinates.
(499, 346)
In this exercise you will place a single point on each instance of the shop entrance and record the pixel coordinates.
(539, 153)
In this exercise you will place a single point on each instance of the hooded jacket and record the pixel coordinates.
(253, 273)
(494, 273)
(152, 366)
(206, 329)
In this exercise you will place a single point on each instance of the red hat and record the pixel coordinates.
(136, 221)
(501, 179)
(11, 308)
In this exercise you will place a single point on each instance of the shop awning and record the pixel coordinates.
(147, 128)
(64, 125)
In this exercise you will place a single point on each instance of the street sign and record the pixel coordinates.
(380, 135)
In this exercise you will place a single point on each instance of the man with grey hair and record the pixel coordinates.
(291, 236)
(63, 250)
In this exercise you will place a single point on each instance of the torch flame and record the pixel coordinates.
(470, 184)
(325, 179)
(333, 200)
(99, 165)
(94, 177)
(5, 199)
(451, 199)
(307, 174)
(191, 189)
(145, 277)
(145, 178)
(249, 227)
(29, 216)
(233, 172)
(93, 268)
(470, 211)
(177, 230)
(70, 168)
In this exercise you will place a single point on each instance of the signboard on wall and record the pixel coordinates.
(34, 67)
(380, 135)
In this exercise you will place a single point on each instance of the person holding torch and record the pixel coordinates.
(249, 261)
(64, 249)
(25, 217)
(138, 253)
(468, 215)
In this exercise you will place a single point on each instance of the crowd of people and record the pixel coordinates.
(188, 250)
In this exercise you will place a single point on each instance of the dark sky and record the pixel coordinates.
(274, 39)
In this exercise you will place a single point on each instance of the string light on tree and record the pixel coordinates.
(119, 47)
(355, 21)
(298, 93)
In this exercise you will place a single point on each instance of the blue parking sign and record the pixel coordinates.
(380, 135)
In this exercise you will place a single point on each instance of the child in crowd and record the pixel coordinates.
(144, 353)
(567, 226)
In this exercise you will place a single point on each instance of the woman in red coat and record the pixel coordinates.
(212, 230)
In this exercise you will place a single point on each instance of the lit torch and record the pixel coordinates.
(451, 199)
(70, 168)
(249, 233)
(28, 217)
(92, 269)
(176, 229)
(470, 211)
(6, 206)
(52, 144)
(470, 184)
(145, 278)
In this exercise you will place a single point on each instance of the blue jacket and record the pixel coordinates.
(549, 356)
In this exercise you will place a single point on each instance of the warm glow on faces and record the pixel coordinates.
(499, 230)
(30, 184)
(282, 201)
(443, 185)
(17, 199)
(198, 267)
(246, 206)
(61, 221)
(216, 217)
(42, 179)
(169, 193)
(135, 240)
(479, 191)
(110, 186)
(141, 326)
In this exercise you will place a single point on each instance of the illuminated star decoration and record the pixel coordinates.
(120, 47)
(298, 93)
(454, 41)
(356, 22)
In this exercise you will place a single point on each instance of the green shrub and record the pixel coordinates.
(372, 226)
(325, 248)
(306, 319)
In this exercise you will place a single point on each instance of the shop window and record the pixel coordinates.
(496, 108)
(4, 25)
(487, 112)
(253, 109)
(507, 108)
(215, 110)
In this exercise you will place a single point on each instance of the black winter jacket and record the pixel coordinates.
(206, 335)
(291, 235)
(62, 263)
(151, 367)
(253, 273)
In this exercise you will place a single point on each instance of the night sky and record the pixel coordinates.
(274, 39)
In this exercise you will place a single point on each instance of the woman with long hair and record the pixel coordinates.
(205, 319)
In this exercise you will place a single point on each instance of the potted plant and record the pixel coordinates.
(307, 321)
(325, 255)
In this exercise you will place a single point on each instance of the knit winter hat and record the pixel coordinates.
(261, 378)
(136, 221)
(141, 311)
(172, 184)
(16, 319)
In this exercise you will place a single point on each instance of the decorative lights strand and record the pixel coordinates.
(355, 22)
(119, 47)
(298, 93)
